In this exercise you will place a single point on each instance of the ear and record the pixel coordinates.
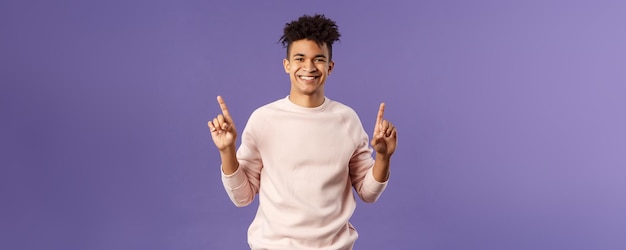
(331, 66)
(286, 65)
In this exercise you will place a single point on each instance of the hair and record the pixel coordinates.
(316, 28)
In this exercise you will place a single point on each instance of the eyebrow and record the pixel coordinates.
(316, 56)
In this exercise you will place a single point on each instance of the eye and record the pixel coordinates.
(320, 60)
(299, 59)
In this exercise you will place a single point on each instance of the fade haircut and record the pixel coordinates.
(316, 28)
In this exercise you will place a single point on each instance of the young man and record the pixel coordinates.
(303, 153)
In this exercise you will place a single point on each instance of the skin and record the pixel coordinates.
(310, 60)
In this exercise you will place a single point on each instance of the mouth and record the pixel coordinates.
(308, 78)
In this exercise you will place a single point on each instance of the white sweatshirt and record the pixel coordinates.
(303, 162)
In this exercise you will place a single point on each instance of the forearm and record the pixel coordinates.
(381, 167)
(229, 160)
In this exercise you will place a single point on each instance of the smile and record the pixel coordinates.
(308, 78)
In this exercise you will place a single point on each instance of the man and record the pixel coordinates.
(303, 153)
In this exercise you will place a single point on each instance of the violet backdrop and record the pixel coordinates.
(511, 118)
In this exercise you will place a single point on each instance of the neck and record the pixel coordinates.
(307, 101)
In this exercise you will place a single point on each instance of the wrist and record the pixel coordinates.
(383, 157)
(228, 150)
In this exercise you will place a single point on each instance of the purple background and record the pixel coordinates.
(511, 119)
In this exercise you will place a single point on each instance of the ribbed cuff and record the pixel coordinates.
(372, 185)
(235, 180)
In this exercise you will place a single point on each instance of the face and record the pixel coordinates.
(308, 66)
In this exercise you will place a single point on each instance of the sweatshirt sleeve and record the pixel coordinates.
(362, 176)
(242, 185)
(361, 167)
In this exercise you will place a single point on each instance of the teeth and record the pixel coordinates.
(307, 77)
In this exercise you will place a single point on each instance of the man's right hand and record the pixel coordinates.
(222, 128)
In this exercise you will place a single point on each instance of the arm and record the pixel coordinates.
(381, 167)
(384, 142)
(369, 176)
(241, 184)
(229, 160)
(224, 135)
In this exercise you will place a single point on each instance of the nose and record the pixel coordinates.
(309, 66)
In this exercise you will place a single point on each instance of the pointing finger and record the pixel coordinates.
(220, 100)
(379, 117)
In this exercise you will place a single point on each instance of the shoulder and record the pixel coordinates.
(342, 109)
(268, 107)
(260, 118)
(267, 110)
(349, 118)
(350, 121)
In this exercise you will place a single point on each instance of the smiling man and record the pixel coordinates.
(304, 153)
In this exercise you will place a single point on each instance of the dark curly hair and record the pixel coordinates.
(316, 28)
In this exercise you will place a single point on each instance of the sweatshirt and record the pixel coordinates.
(303, 164)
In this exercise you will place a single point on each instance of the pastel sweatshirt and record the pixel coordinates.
(303, 163)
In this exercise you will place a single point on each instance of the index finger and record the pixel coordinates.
(381, 111)
(224, 109)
